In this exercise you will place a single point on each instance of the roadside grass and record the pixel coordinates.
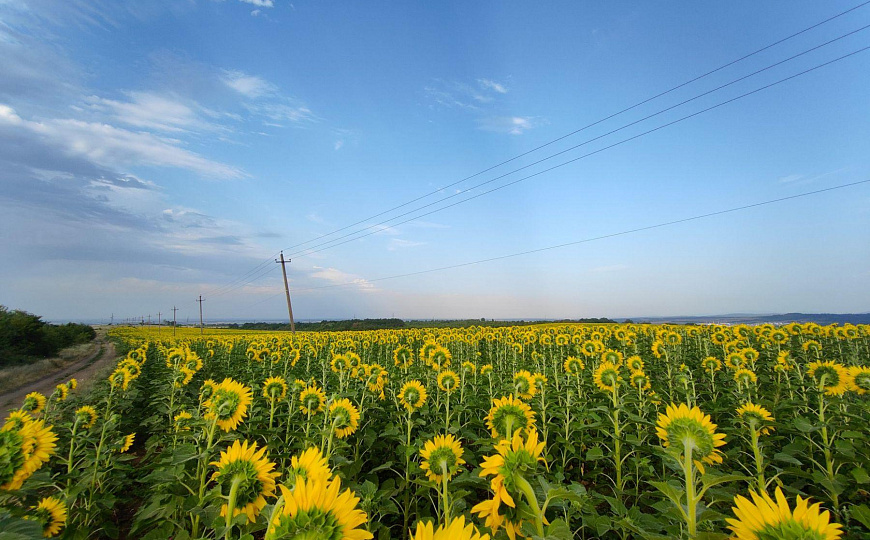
(18, 376)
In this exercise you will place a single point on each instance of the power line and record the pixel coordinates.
(249, 272)
(618, 143)
(336, 242)
(638, 104)
(602, 237)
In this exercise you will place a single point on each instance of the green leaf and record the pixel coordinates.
(675, 495)
(861, 513)
(710, 480)
(594, 454)
(803, 425)
(860, 475)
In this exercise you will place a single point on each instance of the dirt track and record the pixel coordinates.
(102, 354)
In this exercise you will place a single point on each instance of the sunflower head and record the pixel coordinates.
(61, 391)
(614, 357)
(757, 417)
(207, 389)
(309, 465)
(640, 380)
(456, 530)
(448, 381)
(318, 510)
(634, 363)
(573, 365)
(508, 415)
(413, 395)
(764, 518)
(683, 430)
(345, 417)
(607, 376)
(860, 379)
(312, 400)
(711, 364)
(486, 370)
(745, 377)
(441, 455)
(524, 385)
(51, 514)
(86, 416)
(539, 381)
(403, 357)
(34, 402)
(127, 442)
(275, 389)
(468, 368)
(513, 463)
(182, 421)
(833, 378)
(229, 404)
(250, 471)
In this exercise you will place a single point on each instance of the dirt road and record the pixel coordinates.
(101, 355)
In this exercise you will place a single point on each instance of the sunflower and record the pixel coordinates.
(318, 509)
(34, 402)
(524, 385)
(831, 377)
(338, 363)
(182, 421)
(614, 357)
(745, 377)
(607, 376)
(309, 465)
(757, 417)
(51, 513)
(573, 365)
(812, 346)
(784, 361)
(658, 348)
(62, 391)
(128, 442)
(764, 518)
(860, 379)
(711, 364)
(229, 404)
(403, 356)
(313, 399)
(249, 471)
(121, 377)
(73, 384)
(640, 380)
(275, 389)
(441, 455)
(539, 381)
(27, 444)
(86, 416)
(486, 370)
(448, 381)
(413, 395)
(681, 428)
(469, 368)
(345, 417)
(634, 363)
(207, 389)
(735, 360)
(513, 462)
(507, 415)
(456, 530)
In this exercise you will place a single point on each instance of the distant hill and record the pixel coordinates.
(784, 318)
(381, 324)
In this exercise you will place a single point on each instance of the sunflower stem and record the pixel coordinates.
(691, 497)
(231, 503)
(529, 494)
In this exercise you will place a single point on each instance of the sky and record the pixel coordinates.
(152, 152)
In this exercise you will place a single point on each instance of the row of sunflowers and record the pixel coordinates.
(544, 432)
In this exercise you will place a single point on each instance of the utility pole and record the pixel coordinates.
(174, 326)
(287, 291)
(158, 322)
(200, 314)
(112, 320)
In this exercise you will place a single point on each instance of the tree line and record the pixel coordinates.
(25, 337)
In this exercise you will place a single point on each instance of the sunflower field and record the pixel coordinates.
(544, 432)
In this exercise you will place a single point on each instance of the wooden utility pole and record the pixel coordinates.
(174, 326)
(200, 314)
(159, 322)
(287, 291)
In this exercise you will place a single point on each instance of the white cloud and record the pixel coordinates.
(337, 277)
(248, 85)
(255, 12)
(111, 146)
(260, 3)
(338, 144)
(513, 125)
(492, 85)
(153, 111)
(397, 243)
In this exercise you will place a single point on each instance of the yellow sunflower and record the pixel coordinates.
(831, 377)
(763, 518)
(711, 364)
(524, 385)
(511, 465)
(606, 377)
(860, 379)
(345, 417)
(312, 399)
(757, 417)
(448, 381)
(318, 509)
(403, 357)
(247, 471)
(128, 442)
(86, 416)
(486, 370)
(413, 395)
(614, 357)
(681, 428)
(507, 415)
(457, 530)
(441, 455)
(62, 391)
(30, 442)
(309, 465)
(275, 388)
(640, 380)
(34, 402)
(634, 363)
(735, 360)
(573, 365)
(120, 378)
(182, 421)
(745, 377)
(229, 404)
(51, 514)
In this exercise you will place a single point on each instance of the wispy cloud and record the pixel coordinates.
(154, 111)
(338, 277)
(492, 85)
(260, 3)
(338, 144)
(396, 244)
(513, 125)
(248, 85)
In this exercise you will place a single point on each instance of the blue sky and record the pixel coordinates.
(154, 151)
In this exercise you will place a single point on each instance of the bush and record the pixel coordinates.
(25, 337)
